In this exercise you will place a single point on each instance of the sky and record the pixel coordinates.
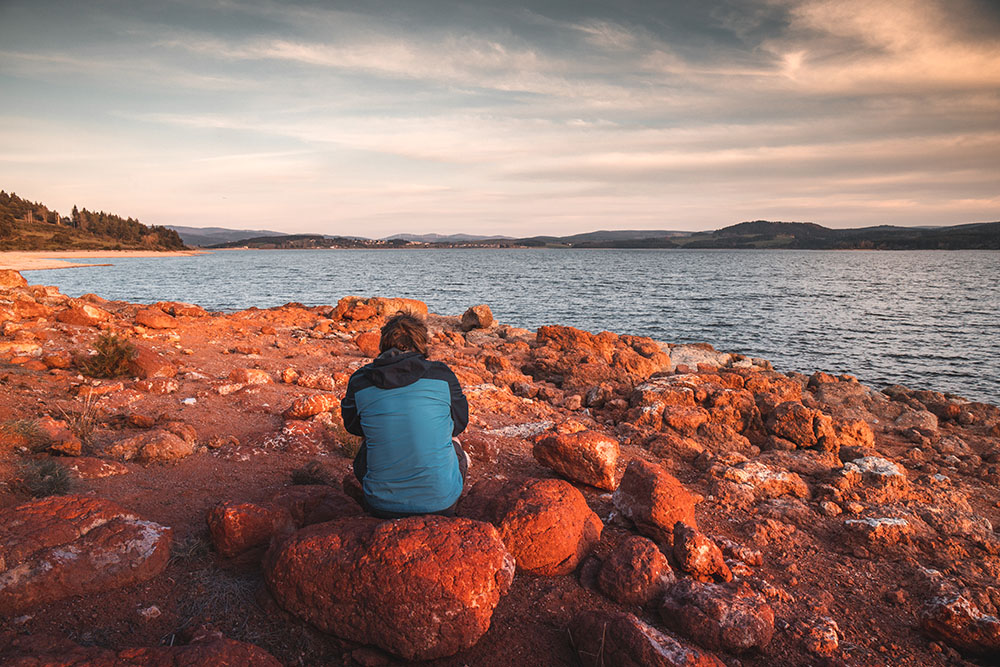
(514, 118)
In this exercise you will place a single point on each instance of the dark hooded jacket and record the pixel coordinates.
(407, 408)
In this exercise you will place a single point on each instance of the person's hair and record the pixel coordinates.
(405, 332)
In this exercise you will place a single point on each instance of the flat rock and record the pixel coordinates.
(615, 639)
(421, 587)
(154, 318)
(73, 545)
(148, 363)
(586, 456)
(654, 500)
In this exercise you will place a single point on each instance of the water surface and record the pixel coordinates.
(925, 319)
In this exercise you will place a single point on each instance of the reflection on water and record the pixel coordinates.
(924, 319)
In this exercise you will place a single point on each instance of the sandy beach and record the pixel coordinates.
(65, 259)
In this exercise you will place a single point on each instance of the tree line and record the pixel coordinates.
(27, 221)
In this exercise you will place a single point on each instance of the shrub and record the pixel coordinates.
(112, 359)
(83, 423)
(42, 478)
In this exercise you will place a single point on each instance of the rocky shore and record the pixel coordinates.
(629, 502)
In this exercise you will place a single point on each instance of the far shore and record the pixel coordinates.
(36, 260)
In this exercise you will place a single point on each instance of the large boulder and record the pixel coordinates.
(74, 545)
(636, 572)
(654, 500)
(421, 587)
(545, 523)
(615, 639)
(586, 456)
(719, 617)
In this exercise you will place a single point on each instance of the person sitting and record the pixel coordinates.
(408, 410)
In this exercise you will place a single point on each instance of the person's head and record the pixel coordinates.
(405, 332)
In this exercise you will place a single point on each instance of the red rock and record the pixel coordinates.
(922, 421)
(477, 317)
(237, 527)
(20, 348)
(636, 572)
(211, 651)
(9, 279)
(74, 545)
(684, 420)
(615, 639)
(368, 343)
(154, 318)
(654, 500)
(90, 390)
(24, 308)
(719, 617)
(699, 556)
(481, 447)
(60, 438)
(421, 587)
(83, 314)
(180, 309)
(57, 361)
(158, 385)
(822, 637)
(148, 363)
(35, 365)
(587, 457)
(804, 426)
(854, 433)
(152, 446)
(306, 437)
(289, 376)
(959, 622)
(316, 380)
(360, 311)
(309, 406)
(545, 523)
(250, 376)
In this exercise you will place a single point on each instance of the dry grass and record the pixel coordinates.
(311, 473)
(83, 423)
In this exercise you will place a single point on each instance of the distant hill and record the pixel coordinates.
(442, 238)
(27, 225)
(810, 236)
(207, 236)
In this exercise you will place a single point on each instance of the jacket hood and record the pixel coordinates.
(393, 369)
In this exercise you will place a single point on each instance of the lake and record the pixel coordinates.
(924, 319)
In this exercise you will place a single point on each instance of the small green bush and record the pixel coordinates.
(112, 359)
(43, 478)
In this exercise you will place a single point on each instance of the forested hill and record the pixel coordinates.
(27, 225)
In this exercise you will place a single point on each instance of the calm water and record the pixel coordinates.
(922, 319)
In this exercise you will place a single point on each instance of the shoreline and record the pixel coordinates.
(38, 260)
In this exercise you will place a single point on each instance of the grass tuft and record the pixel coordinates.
(311, 473)
(23, 433)
(83, 423)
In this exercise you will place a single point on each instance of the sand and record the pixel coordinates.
(22, 260)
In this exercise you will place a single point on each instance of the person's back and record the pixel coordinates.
(407, 408)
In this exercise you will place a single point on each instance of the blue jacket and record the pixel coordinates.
(407, 408)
